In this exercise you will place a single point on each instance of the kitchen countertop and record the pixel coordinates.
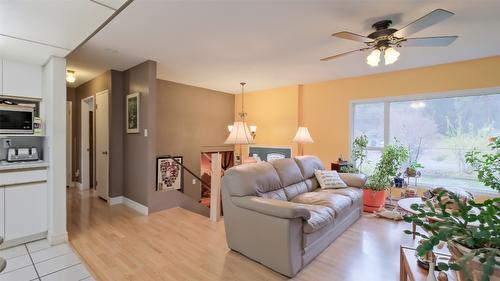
(7, 166)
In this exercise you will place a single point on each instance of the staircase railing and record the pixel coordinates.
(214, 186)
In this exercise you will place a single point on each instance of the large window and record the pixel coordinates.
(438, 131)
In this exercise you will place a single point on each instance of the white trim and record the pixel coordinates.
(136, 206)
(55, 239)
(116, 200)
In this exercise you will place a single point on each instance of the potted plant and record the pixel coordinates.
(390, 162)
(358, 155)
(470, 229)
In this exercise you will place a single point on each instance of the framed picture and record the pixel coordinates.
(269, 153)
(169, 174)
(133, 113)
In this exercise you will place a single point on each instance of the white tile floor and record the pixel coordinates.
(39, 261)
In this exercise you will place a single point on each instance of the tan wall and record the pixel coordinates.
(326, 104)
(187, 119)
(275, 112)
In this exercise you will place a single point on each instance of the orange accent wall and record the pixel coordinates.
(326, 104)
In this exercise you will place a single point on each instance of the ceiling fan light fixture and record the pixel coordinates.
(390, 55)
(374, 58)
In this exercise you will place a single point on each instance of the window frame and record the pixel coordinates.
(414, 97)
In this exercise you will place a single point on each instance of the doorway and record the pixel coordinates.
(102, 144)
(87, 143)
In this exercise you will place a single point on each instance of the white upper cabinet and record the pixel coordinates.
(21, 79)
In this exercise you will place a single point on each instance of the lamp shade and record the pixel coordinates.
(303, 136)
(240, 134)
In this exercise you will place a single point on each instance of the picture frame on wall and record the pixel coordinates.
(169, 174)
(133, 113)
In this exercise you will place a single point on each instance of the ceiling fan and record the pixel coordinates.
(385, 39)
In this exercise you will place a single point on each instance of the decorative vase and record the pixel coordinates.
(473, 266)
(373, 200)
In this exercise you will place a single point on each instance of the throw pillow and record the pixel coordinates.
(329, 179)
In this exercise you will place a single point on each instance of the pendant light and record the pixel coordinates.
(240, 133)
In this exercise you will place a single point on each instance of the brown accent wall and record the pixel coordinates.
(188, 118)
(139, 150)
(113, 82)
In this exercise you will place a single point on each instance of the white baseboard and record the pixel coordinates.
(55, 239)
(116, 200)
(136, 206)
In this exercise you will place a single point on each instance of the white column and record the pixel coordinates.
(54, 116)
(215, 187)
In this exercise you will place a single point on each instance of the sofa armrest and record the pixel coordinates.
(272, 207)
(354, 180)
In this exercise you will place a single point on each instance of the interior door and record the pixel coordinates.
(102, 144)
(85, 145)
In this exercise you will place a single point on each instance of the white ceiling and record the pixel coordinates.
(217, 44)
(33, 30)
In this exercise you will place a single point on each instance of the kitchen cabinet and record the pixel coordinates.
(25, 210)
(21, 79)
(23, 205)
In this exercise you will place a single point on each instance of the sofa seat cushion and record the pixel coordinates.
(353, 193)
(321, 216)
(338, 203)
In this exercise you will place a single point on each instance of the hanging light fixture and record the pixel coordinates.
(390, 55)
(239, 132)
(374, 58)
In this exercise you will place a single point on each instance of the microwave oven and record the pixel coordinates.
(15, 119)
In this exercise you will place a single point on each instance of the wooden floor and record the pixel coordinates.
(117, 243)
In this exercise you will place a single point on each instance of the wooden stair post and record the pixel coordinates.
(215, 199)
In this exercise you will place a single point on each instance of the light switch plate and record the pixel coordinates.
(194, 181)
(145, 132)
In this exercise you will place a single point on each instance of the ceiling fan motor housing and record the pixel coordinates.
(382, 29)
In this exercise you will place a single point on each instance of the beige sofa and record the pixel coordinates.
(276, 214)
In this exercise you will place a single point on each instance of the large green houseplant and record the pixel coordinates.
(471, 229)
(393, 156)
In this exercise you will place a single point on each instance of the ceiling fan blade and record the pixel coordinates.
(431, 18)
(440, 41)
(342, 54)
(352, 36)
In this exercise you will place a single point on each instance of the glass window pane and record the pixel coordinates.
(438, 133)
(372, 157)
(369, 120)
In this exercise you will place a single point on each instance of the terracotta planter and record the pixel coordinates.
(474, 266)
(373, 201)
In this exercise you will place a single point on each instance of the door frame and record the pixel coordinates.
(69, 143)
(96, 112)
(87, 105)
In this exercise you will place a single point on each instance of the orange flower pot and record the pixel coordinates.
(373, 201)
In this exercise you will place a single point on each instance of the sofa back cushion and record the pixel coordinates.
(308, 164)
(288, 171)
(256, 179)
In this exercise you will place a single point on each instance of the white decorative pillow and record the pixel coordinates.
(329, 179)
